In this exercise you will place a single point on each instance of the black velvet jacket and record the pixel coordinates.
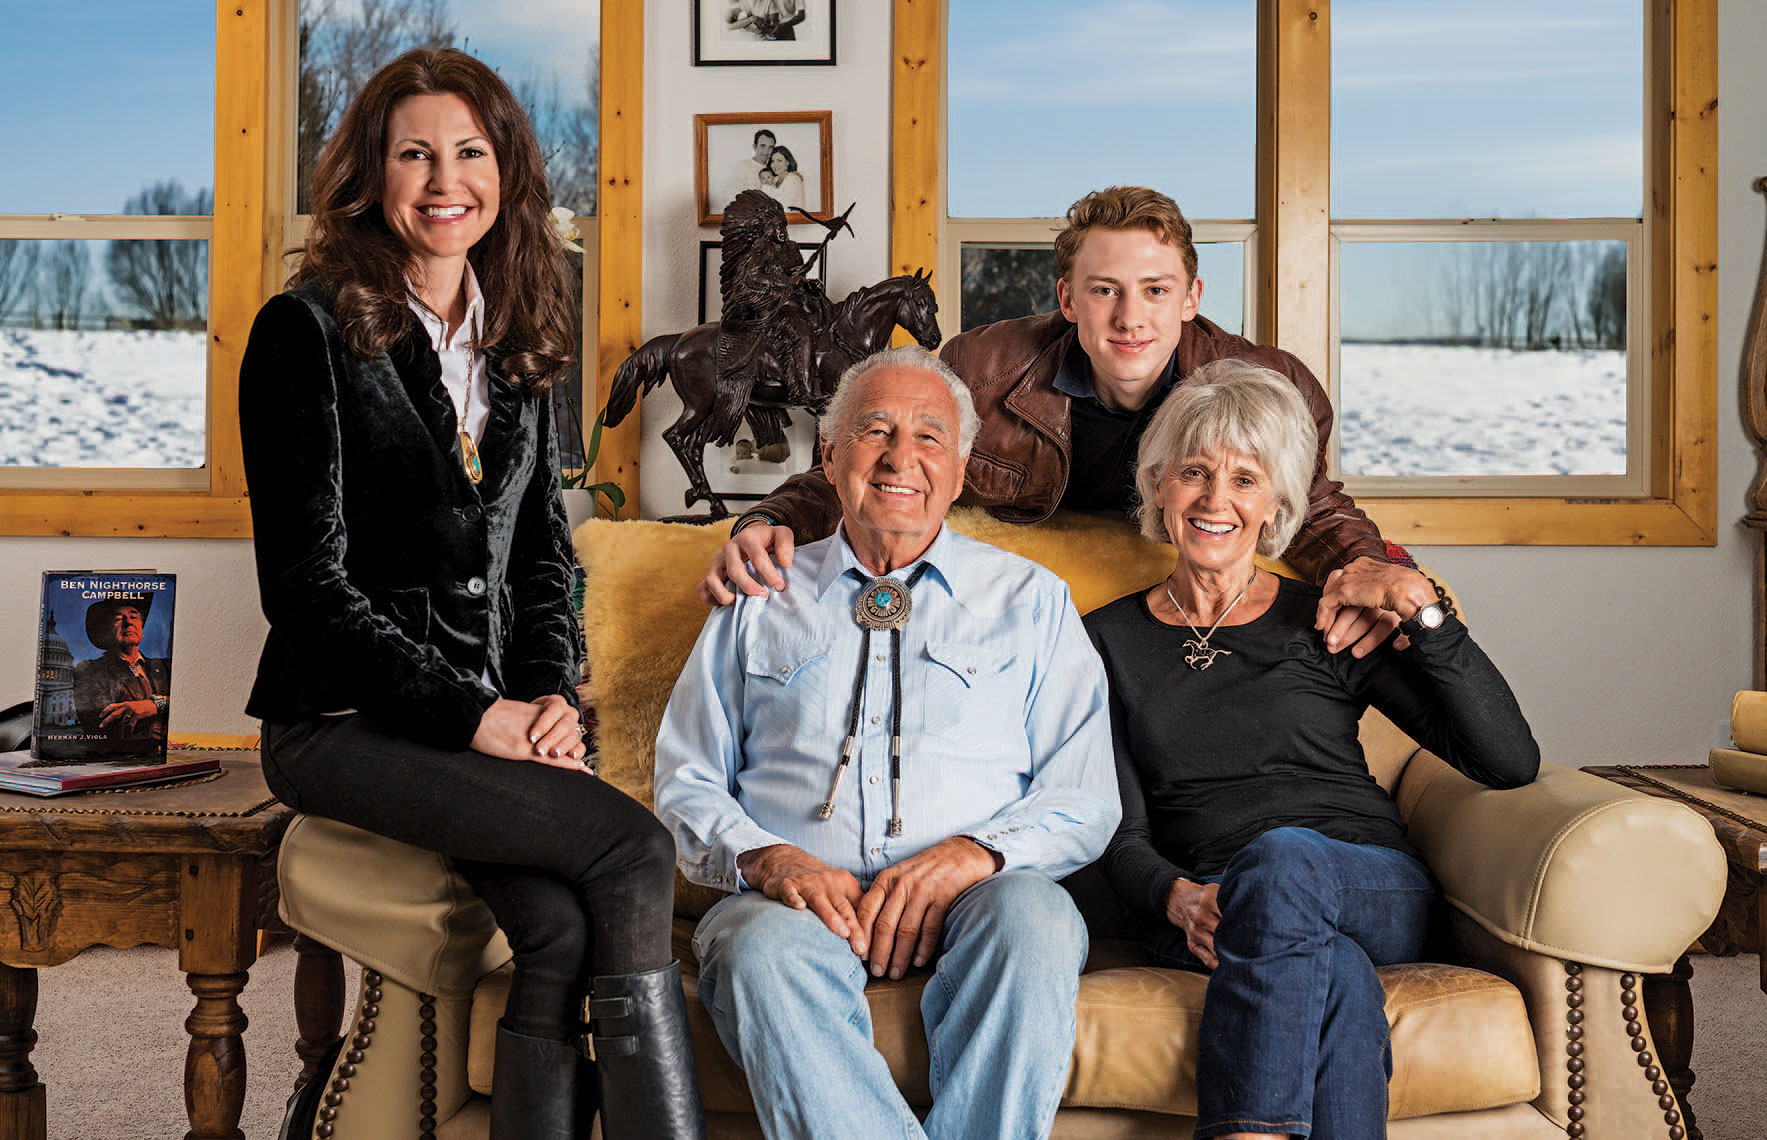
(390, 581)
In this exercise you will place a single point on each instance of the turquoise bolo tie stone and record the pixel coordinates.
(883, 597)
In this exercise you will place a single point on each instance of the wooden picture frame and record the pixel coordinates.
(710, 298)
(725, 147)
(774, 33)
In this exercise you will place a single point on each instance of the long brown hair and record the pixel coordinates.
(351, 251)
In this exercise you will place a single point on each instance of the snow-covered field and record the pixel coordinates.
(1428, 410)
(102, 399)
(136, 399)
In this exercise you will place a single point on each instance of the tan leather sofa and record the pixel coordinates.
(1560, 897)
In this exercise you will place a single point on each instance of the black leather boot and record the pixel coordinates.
(534, 1089)
(644, 1056)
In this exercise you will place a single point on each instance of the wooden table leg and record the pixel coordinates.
(1668, 1007)
(319, 1003)
(22, 1099)
(214, 1069)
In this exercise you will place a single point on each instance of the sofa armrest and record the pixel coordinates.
(1572, 865)
(394, 908)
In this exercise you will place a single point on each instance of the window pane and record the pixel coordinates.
(103, 353)
(1047, 99)
(1001, 281)
(105, 99)
(1512, 108)
(1482, 358)
(548, 53)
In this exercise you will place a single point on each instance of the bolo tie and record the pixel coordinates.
(883, 603)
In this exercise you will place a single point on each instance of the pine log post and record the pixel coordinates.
(1754, 394)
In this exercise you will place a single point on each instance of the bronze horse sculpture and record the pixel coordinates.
(714, 406)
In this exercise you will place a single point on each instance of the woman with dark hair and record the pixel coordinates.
(419, 678)
(781, 179)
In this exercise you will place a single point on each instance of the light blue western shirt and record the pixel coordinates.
(1006, 732)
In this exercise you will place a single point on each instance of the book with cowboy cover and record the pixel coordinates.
(104, 666)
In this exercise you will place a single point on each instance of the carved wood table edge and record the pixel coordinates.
(1741, 923)
(190, 867)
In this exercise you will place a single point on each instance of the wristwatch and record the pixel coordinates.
(1427, 617)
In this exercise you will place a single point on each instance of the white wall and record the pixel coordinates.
(1618, 655)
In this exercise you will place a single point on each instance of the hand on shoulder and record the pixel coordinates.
(752, 561)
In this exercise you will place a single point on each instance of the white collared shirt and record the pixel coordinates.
(463, 363)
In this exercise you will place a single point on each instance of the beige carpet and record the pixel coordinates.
(112, 1046)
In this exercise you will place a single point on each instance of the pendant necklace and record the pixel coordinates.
(469, 451)
(882, 604)
(1202, 655)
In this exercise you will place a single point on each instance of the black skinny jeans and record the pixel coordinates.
(579, 875)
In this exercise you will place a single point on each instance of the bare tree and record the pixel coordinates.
(64, 283)
(1606, 302)
(1002, 283)
(569, 134)
(18, 271)
(165, 280)
(339, 53)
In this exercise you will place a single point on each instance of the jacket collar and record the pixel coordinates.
(1052, 335)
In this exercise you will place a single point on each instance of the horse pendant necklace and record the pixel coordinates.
(1201, 654)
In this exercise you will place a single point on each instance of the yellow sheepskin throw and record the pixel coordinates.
(643, 614)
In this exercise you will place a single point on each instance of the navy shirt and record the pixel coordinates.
(1101, 475)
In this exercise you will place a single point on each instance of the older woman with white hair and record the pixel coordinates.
(1253, 839)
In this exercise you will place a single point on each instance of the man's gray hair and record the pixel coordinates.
(905, 356)
(1232, 404)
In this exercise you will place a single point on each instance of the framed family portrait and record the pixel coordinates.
(746, 33)
(786, 154)
(711, 260)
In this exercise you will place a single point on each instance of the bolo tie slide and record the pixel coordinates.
(882, 604)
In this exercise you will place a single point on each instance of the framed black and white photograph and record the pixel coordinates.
(711, 259)
(746, 473)
(746, 33)
(787, 154)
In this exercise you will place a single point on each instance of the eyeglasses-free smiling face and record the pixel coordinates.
(894, 462)
(441, 182)
(1129, 295)
(1214, 507)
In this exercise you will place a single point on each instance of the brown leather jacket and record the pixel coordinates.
(1018, 466)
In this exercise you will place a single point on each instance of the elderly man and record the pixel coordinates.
(889, 765)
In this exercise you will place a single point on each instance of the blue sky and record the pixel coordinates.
(1513, 107)
(101, 102)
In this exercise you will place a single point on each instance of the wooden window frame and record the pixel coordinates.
(253, 129)
(1293, 285)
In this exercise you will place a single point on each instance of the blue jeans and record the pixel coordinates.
(788, 998)
(1294, 1034)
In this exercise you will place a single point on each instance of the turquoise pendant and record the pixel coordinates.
(469, 458)
(883, 604)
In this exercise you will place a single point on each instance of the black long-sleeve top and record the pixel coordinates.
(1208, 760)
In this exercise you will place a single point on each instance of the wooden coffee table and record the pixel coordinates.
(190, 867)
(1740, 822)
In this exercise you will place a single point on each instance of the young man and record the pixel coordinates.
(1064, 398)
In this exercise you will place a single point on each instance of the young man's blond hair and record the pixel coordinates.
(1124, 208)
